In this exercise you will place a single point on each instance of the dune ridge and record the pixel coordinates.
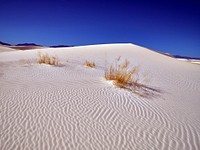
(73, 107)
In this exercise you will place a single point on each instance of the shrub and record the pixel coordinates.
(129, 79)
(89, 64)
(46, 59)
(121, 74)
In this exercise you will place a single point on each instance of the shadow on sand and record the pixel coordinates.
(143, 90)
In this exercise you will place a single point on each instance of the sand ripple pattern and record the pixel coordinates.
(82, 112)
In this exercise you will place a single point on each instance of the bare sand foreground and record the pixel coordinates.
(73, 107)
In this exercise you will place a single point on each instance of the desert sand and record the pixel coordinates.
(71, 106)
(5, 48)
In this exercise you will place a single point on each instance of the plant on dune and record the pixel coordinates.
(89, 64)
(121, 74)
(46, 59)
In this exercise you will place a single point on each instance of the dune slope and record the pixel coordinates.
(73, 107)
(5, 48)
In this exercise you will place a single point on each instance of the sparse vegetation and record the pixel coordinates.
(89, 64)
(46, 59)
(121, 74)
(128, 78)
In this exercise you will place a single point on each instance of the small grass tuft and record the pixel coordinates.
(46, 59)
(121, 74)
(89, 64)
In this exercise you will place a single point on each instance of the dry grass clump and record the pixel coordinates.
(89, 64)
(46, 59)
(121, 74)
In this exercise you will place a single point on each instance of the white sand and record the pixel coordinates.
(194, 61)
(5, 49)
(73, 107)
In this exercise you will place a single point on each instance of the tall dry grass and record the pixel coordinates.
(122, 74)
(47, 59)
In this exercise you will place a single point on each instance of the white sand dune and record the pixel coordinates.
(73, 107)
(5, 49)
(194, 61)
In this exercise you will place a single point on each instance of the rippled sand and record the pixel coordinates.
(73, 107)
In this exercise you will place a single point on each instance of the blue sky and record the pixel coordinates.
(166, 26)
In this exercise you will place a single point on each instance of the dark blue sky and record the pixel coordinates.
(171, 26)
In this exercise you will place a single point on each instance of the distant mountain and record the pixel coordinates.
(185, 57)
(57, 46)
(28, 44)
(2, 43)
(33, 44)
